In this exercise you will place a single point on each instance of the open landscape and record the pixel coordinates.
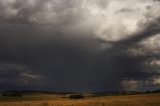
(39, 99)
(79, 52)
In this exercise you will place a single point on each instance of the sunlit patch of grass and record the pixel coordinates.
(52, 100)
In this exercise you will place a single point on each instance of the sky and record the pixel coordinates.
(79, 45)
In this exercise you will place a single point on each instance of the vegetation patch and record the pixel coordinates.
(76, 96)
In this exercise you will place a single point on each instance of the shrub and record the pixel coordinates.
(76, 96)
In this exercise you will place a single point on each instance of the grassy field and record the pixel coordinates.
(60, 100)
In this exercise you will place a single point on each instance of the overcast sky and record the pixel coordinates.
(79, 45)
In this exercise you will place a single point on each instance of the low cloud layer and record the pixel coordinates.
(74, 45)
(151, 83)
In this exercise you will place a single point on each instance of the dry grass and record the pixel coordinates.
(128, 100)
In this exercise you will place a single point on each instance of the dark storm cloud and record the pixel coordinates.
(57, 45)
(70, 65)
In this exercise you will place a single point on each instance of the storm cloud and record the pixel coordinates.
(72, 45)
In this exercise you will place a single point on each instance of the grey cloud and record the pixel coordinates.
(131, 84)
(150, 29)
(152, 65)
(39, 11)
(123, 10)
(100, 3)
(56, 42)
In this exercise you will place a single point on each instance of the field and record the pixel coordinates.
(152, 99)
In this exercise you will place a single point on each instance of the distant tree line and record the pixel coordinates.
(12, 94)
